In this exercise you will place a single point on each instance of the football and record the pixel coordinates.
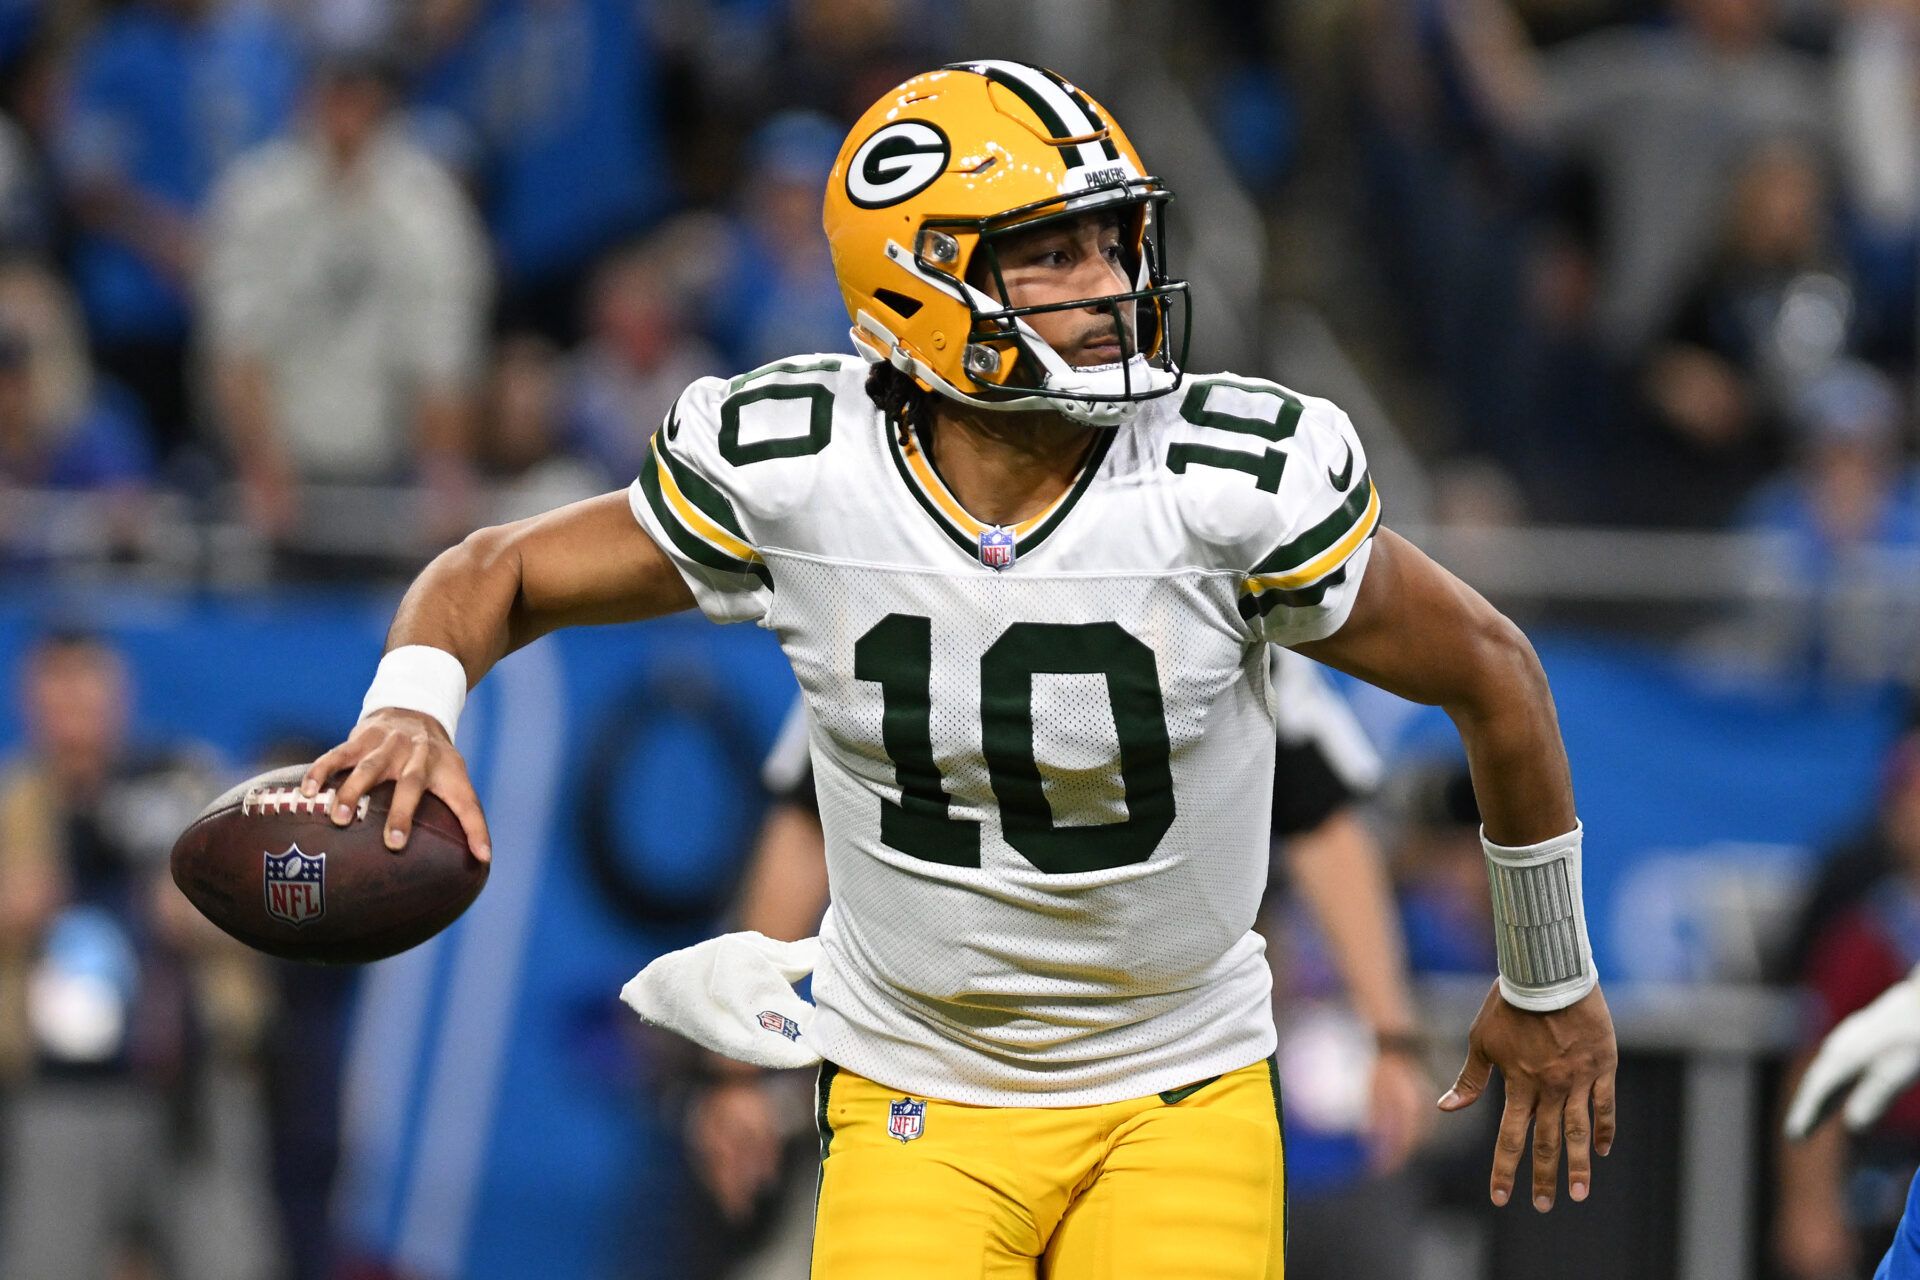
(266, 864)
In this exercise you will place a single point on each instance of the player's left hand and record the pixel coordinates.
(1559, 1072)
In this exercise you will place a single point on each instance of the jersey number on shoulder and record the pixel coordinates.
(1265, 467)
(897, 654)
(818, 415)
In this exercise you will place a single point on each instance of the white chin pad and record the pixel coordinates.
(1134, 376)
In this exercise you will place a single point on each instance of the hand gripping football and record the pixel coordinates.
(266, 864)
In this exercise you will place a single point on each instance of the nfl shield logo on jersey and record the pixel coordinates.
(996, 547)
(906, 1119)
(296, 886)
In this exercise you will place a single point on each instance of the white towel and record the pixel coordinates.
(734, 995)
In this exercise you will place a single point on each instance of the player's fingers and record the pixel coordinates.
(1470, 1083)
(1885, 1080)
(449, 781)
(1578, 1123)
(326, 766)
(1510, 1144)
(368, 772)
(1546, 1150)
(407, 790)
(1603, 1108)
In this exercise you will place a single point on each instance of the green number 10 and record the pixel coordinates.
(897, 654)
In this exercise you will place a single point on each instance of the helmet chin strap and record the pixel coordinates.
(877, 343)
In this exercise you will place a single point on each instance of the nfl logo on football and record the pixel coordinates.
(296, 886)
(996, 547)
(906, 1119)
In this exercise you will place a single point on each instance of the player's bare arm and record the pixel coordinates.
(1477, 666)
(501, 588)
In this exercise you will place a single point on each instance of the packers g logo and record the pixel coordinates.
(898, 161)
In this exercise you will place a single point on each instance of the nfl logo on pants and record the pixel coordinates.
(906, 1119)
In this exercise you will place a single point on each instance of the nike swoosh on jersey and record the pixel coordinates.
(1343, 476)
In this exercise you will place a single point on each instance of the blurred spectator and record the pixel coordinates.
(523, 428)
(733, 63)
(641, 350)
(1850, 486)
(1440, 871)
(1877, 98)
(123, 1014)
(1845, 520)
(1861, 933)
(346, 285)
(25, 214)
(560, 95)
(60, 426)
(161, 97)
(779, 296)
(1771, 310)
(343, 24)
(1664, 116)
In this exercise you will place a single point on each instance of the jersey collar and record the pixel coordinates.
(911, 459)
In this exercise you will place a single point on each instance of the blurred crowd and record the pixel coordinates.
(1655, 262)
(1641, 262)
(251, 251)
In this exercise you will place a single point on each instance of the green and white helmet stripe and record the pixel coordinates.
(1064, 110)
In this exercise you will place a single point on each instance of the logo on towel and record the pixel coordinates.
(906, 1119)
(775, 1021)
(296, 886)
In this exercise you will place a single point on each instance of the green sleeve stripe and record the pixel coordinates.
(689, 543)
(832, 364)
(1259, 606)
(701, 492)
(1291, 555)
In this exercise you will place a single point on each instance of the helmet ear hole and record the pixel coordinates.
(899, 303)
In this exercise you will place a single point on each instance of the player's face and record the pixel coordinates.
(1079, 258)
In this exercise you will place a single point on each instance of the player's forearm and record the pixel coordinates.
(1419, 632)
(464, 602)
(506, 586)
(1504, 712)
(1338, 870)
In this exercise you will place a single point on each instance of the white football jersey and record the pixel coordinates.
(1043, 753)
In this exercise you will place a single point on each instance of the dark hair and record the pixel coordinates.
(908, 408)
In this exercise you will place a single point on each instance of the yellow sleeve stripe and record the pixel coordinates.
(695, 520)
(1327, 561)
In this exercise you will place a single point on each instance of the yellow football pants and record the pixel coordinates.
(1183, 1185)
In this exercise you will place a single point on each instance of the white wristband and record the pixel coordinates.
(1540, 922)
(418, 677)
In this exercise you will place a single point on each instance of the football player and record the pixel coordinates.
(1323, 766)
(1025, 569)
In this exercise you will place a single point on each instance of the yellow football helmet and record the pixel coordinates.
(931, 175)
